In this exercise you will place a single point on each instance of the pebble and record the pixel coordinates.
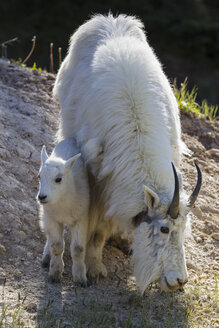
(190, 265)
(199, 239)
(2, 249)
(17, 273)
(197, 212)
(214, 145)
(30, 256)
(215, 235)
(21, 250)
(31, 307)
(117, 251)
(21, 235)
(4, 153)
(23, 152)
(213, 151)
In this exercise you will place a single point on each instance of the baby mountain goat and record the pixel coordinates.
(64, 199)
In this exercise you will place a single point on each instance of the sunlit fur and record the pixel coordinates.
(158, 256)
(112, 81)
(64, 202)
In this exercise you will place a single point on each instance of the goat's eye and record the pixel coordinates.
(164, 229)
(59, 179)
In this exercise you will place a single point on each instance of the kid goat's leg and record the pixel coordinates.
(78, 250)
(46, 255)
(55, 242)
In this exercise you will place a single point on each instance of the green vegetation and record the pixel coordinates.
(11, 316)
(32, 68)
(186, 99)
(187, 102)
(184, 33)
(196, 307)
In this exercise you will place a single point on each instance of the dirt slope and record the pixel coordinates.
(28, 119)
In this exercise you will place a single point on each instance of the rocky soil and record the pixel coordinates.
(28, 119)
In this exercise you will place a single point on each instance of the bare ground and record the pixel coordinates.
(28, 119)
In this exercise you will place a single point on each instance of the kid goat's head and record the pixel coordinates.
(54, 177)
(158, 251)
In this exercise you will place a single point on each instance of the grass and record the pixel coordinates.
(186, 99)
(196, 307)
(11, 316)
(187, 102)
(32, 68)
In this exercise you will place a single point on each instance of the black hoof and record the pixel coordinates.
(90, 281)
(45, 265)
(52, 280)
(81, 284)
(46, 261)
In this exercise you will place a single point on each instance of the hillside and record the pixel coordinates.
(28, 119)
(184, 33)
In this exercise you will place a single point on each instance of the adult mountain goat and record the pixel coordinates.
(112, 81)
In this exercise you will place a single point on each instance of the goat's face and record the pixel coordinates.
(158, 251)
(54, 177)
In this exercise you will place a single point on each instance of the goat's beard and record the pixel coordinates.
(146, 255)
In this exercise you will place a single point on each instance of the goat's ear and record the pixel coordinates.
(151, 198)
(44, 154)
(71, 161)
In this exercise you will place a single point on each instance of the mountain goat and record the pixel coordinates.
(112, 80)
(64, 199)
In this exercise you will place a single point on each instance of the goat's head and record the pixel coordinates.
(54, 177)
(158, 251)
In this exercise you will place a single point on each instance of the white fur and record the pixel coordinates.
(112, 81)
(66, 202)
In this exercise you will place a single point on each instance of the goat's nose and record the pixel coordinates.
(182, 282)
(42, 197)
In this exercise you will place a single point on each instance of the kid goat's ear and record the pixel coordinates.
(71, 161)
(44, 154)
(151, 198)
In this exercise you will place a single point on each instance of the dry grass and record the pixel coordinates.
(196, 307)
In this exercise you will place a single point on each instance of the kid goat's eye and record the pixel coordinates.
(164, 229)
(59, 179)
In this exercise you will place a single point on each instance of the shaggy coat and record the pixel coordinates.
(112, 81)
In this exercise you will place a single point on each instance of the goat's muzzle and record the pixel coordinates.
(42, 198)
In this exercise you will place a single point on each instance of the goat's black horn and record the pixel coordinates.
(195, 193)
(173, 210)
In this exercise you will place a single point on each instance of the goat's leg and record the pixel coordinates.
(55, 242)
(95, 266)
(46, 255)
(78, 250)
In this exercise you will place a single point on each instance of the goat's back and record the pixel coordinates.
(112, 81)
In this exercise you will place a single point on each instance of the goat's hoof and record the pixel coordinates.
(46, 261)
(103, 272)
(95, 274)
(81, 284)
(54, 280)
(92, 280)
